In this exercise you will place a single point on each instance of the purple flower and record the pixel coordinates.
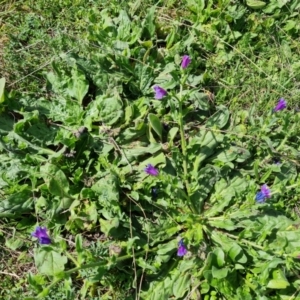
(185, 61)
(42, 235)
(280, 105)
(264, 193)
(151, 170)
(159, 92)
(181, 249)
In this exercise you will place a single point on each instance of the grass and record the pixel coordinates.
(79, 125)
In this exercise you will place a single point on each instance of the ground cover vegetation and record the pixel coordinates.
(150, 150)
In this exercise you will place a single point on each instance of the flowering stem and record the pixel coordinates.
(183, 141)
(183, 147)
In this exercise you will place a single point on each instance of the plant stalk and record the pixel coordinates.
(184, 151)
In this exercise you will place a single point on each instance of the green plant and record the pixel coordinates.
(73, 160)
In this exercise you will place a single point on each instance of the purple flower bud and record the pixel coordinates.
(280, 105)
(263, 194)
(266, 191)
(185, 61)
(181, 249)
(42, 235)
(159, 92)
(151, 170)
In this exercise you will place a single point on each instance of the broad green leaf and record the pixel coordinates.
(68, 84)
(78, 85)
(160, 290)
(14, 243)
(282, 3)
(172, 134)
(242, 154)
(167, 78)
(165, 248)
(208, 275)
(104, 109)
(155, 124)
(145, 75)
(67, 112)
(200, 189)
(6, 124)
(224, 193)
(171, 38)
(290, 24)
(36, 281)
(289, 238)
(219, 273)
(200, 100)
(17, 203)
(220, 256)
(162, 287)
(124, 26)
(265, 269)
(236, 254)
(225, 224)
(181, 285)
(79, 243)
(201, 147)
(219, 118)
(107, 189)
(256, 4)
(277, 284)
(2, 86)
(225, 155)
(129, 111)
(205, 287)
(63, 204)
(108, 225)
(185, 265)
(279, 276)
(208, 262)
(48, 261)
(44, 293)
(58, 185)
(148, 24)
(195, 233)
